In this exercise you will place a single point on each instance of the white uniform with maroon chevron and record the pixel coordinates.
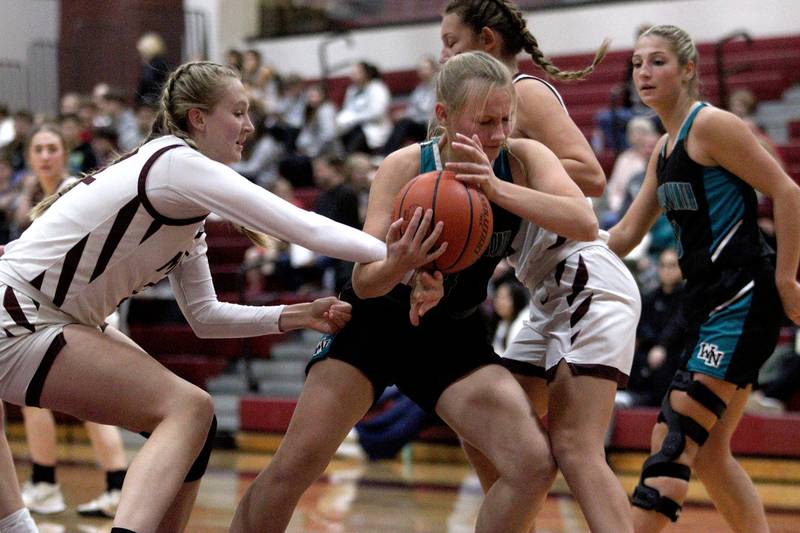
(129, 226)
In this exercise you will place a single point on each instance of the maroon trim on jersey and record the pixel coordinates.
(11, 304)
(115, 234)
(36, 282)
(154, 227)
(579, 283)
(598, 371)
(71, 261)
(34, 392)
(559, 242)
(165, 220)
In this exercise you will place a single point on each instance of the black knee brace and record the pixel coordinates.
(662, 463)
(201, 463)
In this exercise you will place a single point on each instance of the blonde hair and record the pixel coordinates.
(193, 85)
(506, 19)
(684, 49)
(150, 45)
(466, 77)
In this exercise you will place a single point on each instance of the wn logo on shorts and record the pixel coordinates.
(323, 345)
(710, 354)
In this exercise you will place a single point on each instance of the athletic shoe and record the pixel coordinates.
(43, 498)
(104, 506)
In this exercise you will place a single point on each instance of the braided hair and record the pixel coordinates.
(507, 20)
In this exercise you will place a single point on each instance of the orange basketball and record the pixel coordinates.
(465, 211)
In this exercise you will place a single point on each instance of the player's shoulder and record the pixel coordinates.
(404, 159)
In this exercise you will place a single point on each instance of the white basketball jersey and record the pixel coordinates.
(538, 251)
(102, 241)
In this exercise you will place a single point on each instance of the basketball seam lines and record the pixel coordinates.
(469, 231)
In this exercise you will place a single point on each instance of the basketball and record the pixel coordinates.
(464, 210)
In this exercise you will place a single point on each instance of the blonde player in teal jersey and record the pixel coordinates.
(703, 174)
(576, 346)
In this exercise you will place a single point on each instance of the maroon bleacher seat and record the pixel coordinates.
(790, 152)
(170, 339)
(794, 130)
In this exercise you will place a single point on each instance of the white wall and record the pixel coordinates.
(230, 22)
(567, 30)
(23, 22)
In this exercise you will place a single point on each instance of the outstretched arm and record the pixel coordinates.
(187, 178)
(209, 318)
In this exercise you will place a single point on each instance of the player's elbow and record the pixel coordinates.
(595, 185)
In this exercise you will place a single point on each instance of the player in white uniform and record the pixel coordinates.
(577, 345)
(124, 229)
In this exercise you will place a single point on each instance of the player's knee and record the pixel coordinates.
(572, 449)
(660, 495)
(535, 464)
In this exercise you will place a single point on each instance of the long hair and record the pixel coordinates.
(507, 20)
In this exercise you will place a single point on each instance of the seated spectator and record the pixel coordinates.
(610, 131)
(81, 158)
(778, 379)
(118, 115)
(234, 60)
(272, 262)
(337, 201)
(743, 103)
(360, 172)
(145, 115)
(15, 150)
(261, 80)
(6, 126)
(261, 152)
(317, 135)
(411, 125)
(629, 165)
(105, 144)
(88, 115)
(363, 123)
(46, 154)
(69, 104)
(510, 304)
(286, 113)
(8, 198)
(659, 336)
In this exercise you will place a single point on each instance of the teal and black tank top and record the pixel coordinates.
(712, 211)
(466, 290)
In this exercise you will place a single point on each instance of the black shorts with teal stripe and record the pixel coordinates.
(422, 361)
(734, 318)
